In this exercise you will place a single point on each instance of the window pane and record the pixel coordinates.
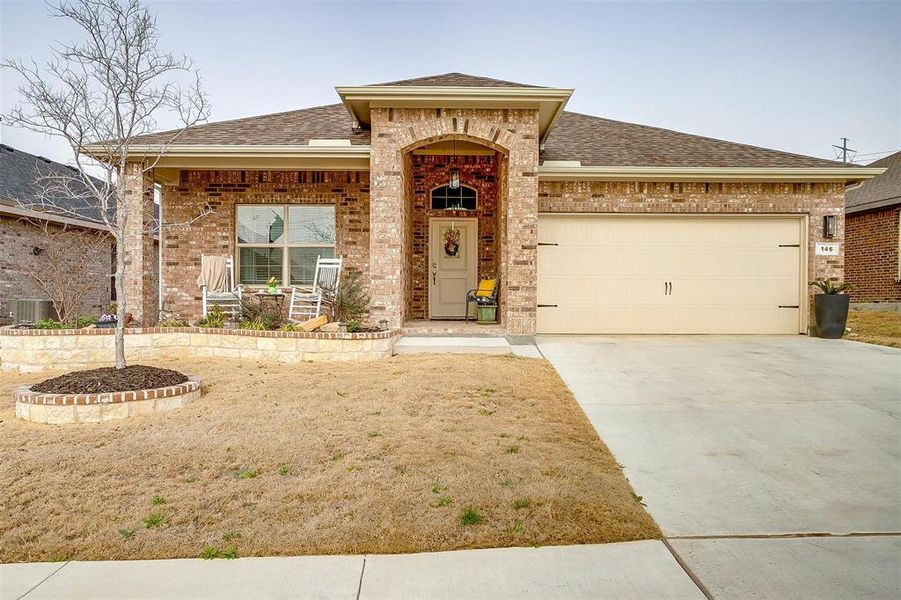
(259, 264)
(462, 198)
(303, 263)
(261, 224)
(311, 224)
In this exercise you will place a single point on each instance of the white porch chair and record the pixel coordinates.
(307, 304)
(229, 300)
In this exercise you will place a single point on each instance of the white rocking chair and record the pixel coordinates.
(228, 300)
(306, 305)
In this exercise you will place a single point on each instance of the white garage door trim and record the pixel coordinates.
(799, 220)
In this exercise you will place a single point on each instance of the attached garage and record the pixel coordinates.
(671, 274)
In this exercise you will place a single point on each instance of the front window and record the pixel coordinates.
(283, 241)
(447, 198)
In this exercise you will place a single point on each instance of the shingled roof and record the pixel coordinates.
(331, 121)
(883, 191)
(594, 141)
(456, 80)
(19, 186)
(606, 143)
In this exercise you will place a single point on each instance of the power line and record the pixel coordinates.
(875, 153)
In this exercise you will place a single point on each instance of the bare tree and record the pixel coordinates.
(65, 266)
(98, 95)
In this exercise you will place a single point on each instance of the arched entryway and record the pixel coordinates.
(453, 200)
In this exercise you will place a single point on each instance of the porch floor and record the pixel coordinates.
(452, 328)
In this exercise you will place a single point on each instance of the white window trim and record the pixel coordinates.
(286, 247)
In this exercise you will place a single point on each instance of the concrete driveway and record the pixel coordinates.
(737, 443)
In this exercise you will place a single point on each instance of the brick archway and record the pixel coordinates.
(513, 133)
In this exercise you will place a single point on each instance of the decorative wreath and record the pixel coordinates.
(452, 242)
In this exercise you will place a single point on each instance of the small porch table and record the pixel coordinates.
(277, 299)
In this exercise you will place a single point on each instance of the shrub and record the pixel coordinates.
(85, 321)
(259, 315)
(252, 324)
(173, 323)
(214, 319)
(49, 324)
(349, 303)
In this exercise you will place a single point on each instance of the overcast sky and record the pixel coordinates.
(790, 76)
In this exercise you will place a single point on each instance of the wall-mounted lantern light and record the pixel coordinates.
(829, 226)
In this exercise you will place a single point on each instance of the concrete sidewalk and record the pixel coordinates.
(636, 570)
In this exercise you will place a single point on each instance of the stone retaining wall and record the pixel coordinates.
(63, 409)
(34, 350)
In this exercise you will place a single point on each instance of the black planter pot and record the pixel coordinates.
(832, 314)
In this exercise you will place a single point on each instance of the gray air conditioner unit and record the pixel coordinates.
(30, 309)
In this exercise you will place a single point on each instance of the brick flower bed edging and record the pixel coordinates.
(35, 350)
(63, 409)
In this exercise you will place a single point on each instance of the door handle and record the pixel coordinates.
(434, 281)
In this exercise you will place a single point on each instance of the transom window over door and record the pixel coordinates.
(283, 241)
(446, 198)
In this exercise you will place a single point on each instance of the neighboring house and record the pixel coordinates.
(592, 225)
(872, 241)
(23, 241)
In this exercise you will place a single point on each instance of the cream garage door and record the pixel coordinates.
(669, 274)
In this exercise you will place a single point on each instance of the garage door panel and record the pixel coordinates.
(607, 274)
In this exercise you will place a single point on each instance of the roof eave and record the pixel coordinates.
(718, 174)
(235, 156)
(880, 204)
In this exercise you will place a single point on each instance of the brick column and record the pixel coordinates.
(140, 255)
(387, 226)
(521, 233)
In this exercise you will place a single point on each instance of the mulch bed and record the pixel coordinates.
(110, 379)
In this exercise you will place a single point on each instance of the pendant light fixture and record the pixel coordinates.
(454, 183)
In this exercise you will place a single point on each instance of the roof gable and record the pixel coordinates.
(453, 80)
(884, 190)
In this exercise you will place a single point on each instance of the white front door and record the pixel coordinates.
(453, 251)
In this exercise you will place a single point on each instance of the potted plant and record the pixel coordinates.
(272, 285)
(831, 308)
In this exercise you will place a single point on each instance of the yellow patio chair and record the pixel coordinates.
(484, 295)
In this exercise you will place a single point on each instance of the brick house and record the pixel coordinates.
(23, 240)
(592, 225)
(872, 244)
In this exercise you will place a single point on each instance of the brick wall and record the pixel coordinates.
(813, 199)
(871, 255)
(17, 242)
(511, 132)
(214, 233)
(428, 172)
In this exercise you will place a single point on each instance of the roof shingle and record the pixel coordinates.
(883, 191)
(331, 121)
(455, 80)
(600, 142)
(594, 141)
(20, 186)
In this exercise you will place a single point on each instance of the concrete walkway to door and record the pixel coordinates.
(754, 453)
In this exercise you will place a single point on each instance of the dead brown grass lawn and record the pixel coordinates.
(875, 327)
(320, 459)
